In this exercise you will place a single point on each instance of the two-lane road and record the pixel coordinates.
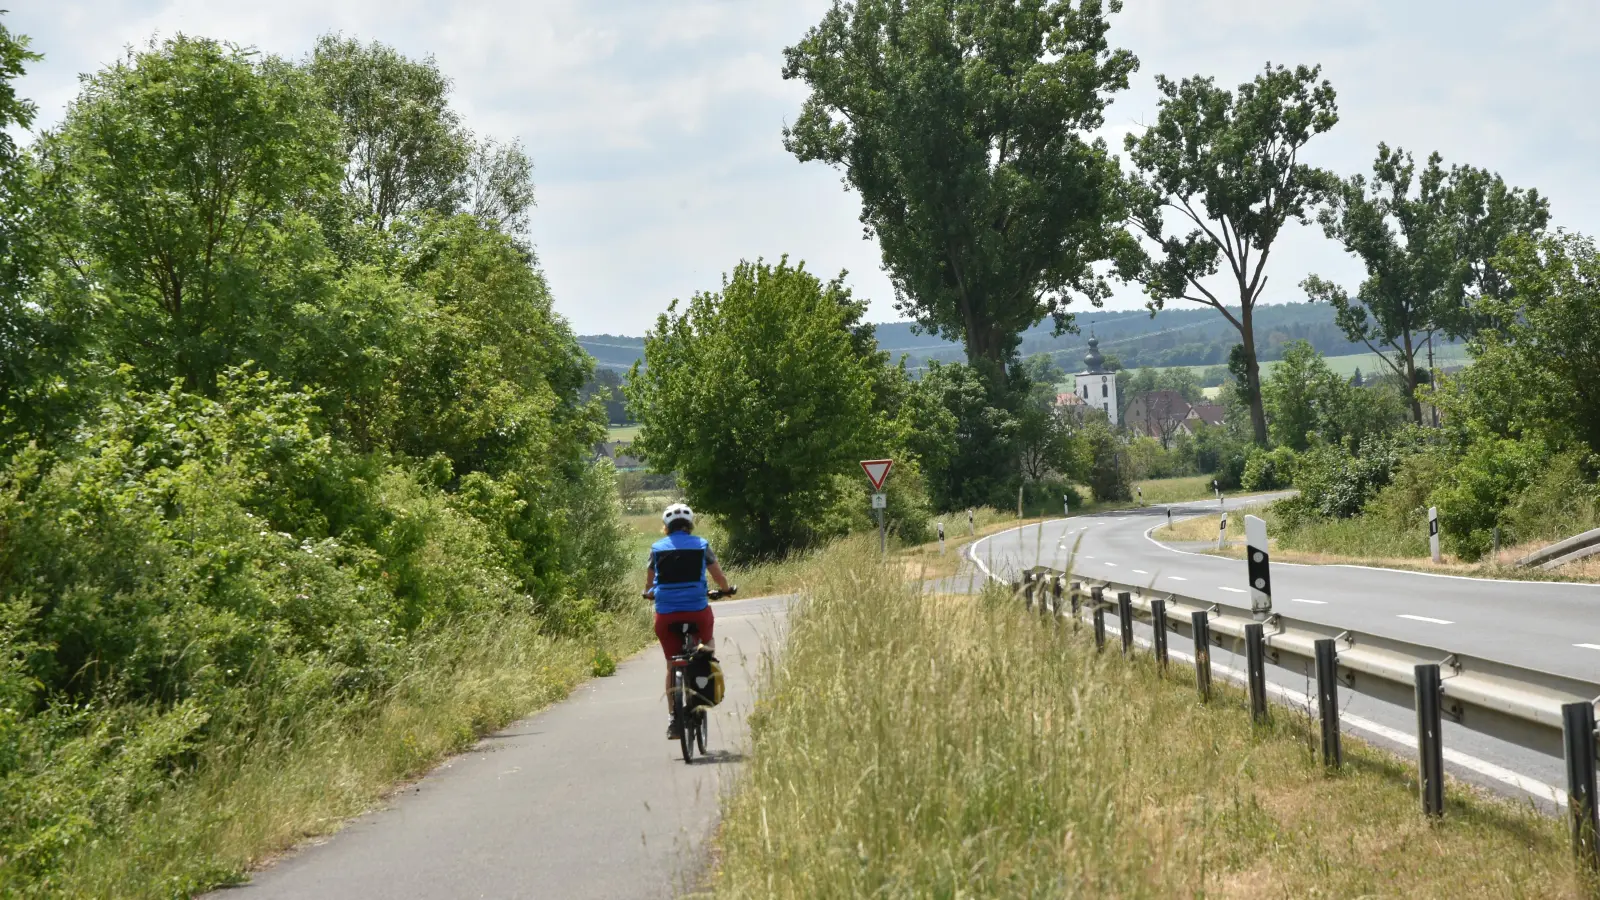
(1554, 627)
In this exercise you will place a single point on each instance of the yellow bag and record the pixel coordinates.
(705, 679)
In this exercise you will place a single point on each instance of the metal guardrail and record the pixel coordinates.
(1545, 712)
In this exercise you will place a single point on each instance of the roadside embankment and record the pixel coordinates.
(934, 745)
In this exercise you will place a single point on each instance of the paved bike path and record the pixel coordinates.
(586, 799)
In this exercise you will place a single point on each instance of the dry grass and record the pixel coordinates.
(908, 746)
(247, 804)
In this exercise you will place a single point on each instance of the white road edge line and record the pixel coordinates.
(1430, 619)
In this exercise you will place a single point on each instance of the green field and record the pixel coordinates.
(622, 432)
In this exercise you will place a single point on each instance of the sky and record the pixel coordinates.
(656, 127)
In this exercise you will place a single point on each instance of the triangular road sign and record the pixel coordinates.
(877, 471)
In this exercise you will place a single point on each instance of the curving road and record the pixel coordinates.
(1550, 626)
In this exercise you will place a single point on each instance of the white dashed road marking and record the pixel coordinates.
(1317, 602)
(1230, 590)
(1588, 646)
(1140, 572)
(1427, 619)
(1111, 564)
(1177, 578)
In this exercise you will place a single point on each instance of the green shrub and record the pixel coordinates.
(1477, 489)
(1564, 500)
(1268, 470)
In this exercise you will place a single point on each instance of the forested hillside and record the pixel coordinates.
(1175, 336)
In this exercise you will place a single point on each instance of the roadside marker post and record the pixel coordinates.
(1222, 529)
(1433, 532)
(1066, 506)
(941, 538)
(877, 473)
(1140, 491)
(971, 529)
(1256, 559)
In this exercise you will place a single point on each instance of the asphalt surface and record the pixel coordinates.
(1554, 627)
(586, 799)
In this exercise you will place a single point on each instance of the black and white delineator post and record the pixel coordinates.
(1255, 538)
(1222, 531)
(1066, 506)
(971, 530)
(1433, 532)
(941, 538)
(1218, 488)
(1140, 491)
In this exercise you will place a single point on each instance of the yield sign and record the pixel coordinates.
(877, 471)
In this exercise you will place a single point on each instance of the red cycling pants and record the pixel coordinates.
(672, 642)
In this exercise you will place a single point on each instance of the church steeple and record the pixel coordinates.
(1094, 363)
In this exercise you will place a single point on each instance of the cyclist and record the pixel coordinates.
(676, 578)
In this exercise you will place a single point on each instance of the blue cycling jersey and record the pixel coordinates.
(680, 560)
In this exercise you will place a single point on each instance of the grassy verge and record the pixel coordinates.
(933, 746)
(249, 801)
(1367, 542)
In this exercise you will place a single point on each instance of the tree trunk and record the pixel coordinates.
(1252, 371)
(1411, 381)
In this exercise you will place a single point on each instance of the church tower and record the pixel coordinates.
(1096, 386)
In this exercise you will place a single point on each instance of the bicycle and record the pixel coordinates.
(687, 708)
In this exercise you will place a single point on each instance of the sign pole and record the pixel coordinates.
(1433, 532)
(877, 473)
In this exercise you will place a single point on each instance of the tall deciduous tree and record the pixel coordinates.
(961, 124)
(182, 169)
(1226, 166)
(29, 344)
(405, 150)
(1427, 241)
(758, 397)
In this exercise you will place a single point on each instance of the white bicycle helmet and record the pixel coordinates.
(677, 512)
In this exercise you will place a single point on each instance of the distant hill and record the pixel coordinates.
(1178, 336)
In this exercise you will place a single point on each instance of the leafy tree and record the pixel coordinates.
(181, 170)
(1110, 476)
(1417, 247)
(1041, 368)
(1302, 396)
(404, 149)
(757, 397)
(961, 125)
(1044, 435)
(32, 346)
(1538, 374)
(499, 186)
(966, 440)
(1227, 166)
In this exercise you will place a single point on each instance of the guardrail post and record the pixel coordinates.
(1158, 622)
(1255, 656)
(1098, 608)
(1125, 620)
(1028, 590)
(1076, 590)
(1055, 599)
(1430, 748)
(1328, 701)
(1202, 654)
(1577, 729)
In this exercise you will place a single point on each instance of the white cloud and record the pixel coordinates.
(655, 127)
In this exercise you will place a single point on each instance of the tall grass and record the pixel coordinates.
(934, 746)
(246, 801)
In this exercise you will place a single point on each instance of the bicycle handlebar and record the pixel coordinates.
(713, 594)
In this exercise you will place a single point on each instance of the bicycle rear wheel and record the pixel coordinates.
(700, 730)
(686, 737)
